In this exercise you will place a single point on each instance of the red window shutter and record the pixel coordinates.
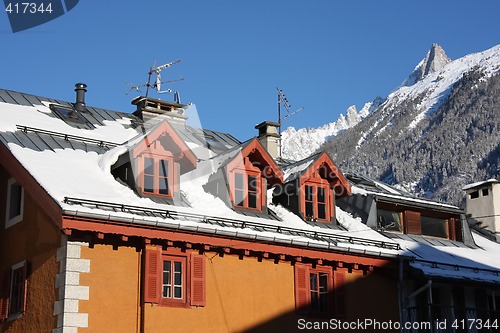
(412, 222)
(198, 280)
(152, 275)
(4, 295)
(339, 294)
(301, 289)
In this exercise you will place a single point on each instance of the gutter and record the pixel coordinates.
(108, 219)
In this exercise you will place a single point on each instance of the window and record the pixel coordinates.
(388, 220)
(317, 202)
(157, 175)
(485, 192)
(432, 226)
(15, 203)
(474, 195)
(174, 279)
(246, 189)
(319, 291)
(13, 292)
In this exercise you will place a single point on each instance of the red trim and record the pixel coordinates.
(30, 185)
(127, 229)
(164, 135)
(324, 168)
(317, 183)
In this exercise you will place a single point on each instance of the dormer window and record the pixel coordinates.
(317, 201)
(246, 189)
(158, 175)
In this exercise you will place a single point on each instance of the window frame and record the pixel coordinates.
(171, 181)
(193, 277)
(10, 221)
(316, 184)
(336, 296)
(245, 189)
(7, 310)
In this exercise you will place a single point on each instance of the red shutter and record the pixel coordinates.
(339, 294)
(412, 222)
(198, 280)
(301, 289)
(4, 295)
(152, 275)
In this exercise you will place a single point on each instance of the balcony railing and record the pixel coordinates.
(450, 319)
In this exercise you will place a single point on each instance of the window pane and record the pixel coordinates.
(323, 302)
(309, 193)
(149, 184)
(149, 166)
(17, 296)
(163, 186)
(167, 279)
(309, 209)
(389, 220)
(177, 292)
(252, 200)
(163, 168)
(167, 291)
(321, 211)
(321, 194)
(238, 180)
(434, 227)
(323, 282)
(15, 200)
(238, 197)
(313, 282)
(252, 183)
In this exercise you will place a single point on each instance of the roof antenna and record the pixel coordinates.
(282, 100)
(157, 82)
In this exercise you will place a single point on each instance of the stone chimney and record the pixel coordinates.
(149, 108)
(270, 138)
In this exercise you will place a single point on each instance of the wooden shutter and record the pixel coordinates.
(4, 295)
(198, 280)
(152, 275)
(301, 289)
(455, 229)
(339, 294)
(412, 222)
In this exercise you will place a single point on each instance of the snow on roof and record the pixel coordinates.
(479, 184)
(86, 175)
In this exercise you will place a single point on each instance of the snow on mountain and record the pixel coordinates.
(435, 59)
(298, 144)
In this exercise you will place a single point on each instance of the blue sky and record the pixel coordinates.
(326, 55)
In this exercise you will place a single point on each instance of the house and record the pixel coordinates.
(139, 222)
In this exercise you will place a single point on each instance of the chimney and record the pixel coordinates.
(270, 138)
(149, 108)
(81, 89)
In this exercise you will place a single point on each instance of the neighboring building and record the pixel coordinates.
(483, 204)
(117, 222)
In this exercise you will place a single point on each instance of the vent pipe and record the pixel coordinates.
(81, 89)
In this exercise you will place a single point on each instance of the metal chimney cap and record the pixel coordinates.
(80, 86)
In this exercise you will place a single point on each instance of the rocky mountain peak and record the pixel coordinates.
(435, 59)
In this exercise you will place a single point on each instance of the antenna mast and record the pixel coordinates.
(158, 82)
(282, 100)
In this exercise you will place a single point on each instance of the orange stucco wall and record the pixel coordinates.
(242, 295)
(113, 304)
(36, 240)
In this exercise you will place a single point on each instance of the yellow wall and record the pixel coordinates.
(113, 304)
(36, 240)
(240, 294)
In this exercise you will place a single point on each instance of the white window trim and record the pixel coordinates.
(16, 219)
(14, 316)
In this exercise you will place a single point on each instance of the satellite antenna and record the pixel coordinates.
(158, 81)
(282, 100)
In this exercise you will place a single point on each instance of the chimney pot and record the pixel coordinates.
(81, 89)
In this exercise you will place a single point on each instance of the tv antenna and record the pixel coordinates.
(282, 100)
(158, 81)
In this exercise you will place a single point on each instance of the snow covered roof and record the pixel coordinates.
(480, 184)
(73, 165)
(366, 186)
